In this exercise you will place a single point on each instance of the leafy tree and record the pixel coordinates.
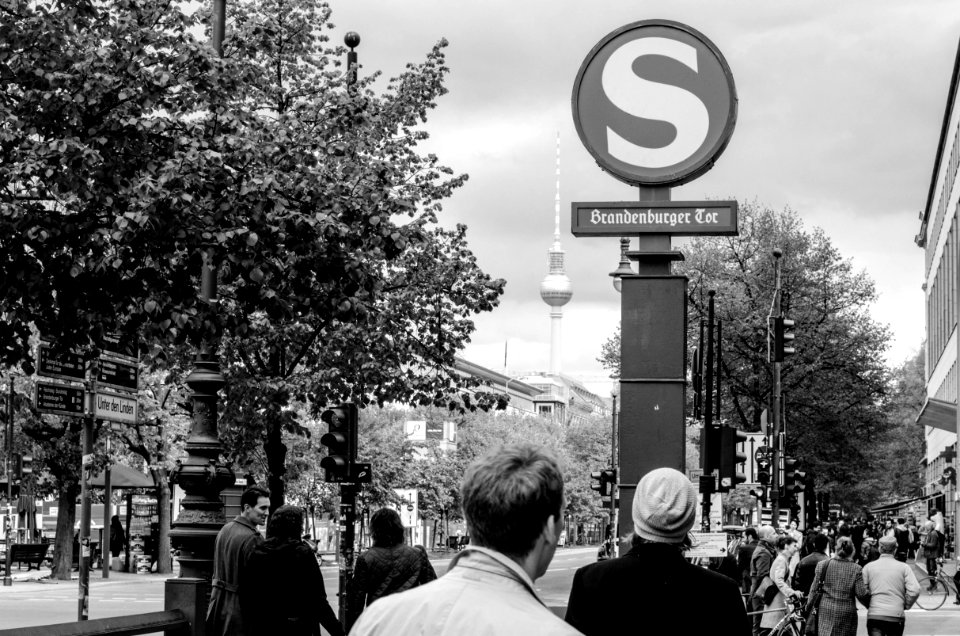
(834, 387)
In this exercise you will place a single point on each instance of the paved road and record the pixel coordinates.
(35, 603)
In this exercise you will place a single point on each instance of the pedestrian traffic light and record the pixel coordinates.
(731, 458)
(710, 448)
(763, 471)
(783, 337)
(340, 440)
(792, 479)
(26, 465)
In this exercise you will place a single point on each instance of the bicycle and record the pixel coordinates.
(935, 589)
(793, 623)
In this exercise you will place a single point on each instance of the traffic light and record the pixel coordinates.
(792, 478)
(600, 483)
(17, 467)
(783, 337)
(731, 458)
(763, 471)
(26, 465)
(340, 440)
(710, 448)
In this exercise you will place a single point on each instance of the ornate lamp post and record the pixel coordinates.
(624, 268)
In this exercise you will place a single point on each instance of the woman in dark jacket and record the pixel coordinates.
(118, 538)
(841, 587)
(386, 568)
(286, 593)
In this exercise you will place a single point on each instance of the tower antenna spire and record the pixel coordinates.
(556, 290)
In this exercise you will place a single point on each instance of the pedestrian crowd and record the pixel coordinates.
(513, 501)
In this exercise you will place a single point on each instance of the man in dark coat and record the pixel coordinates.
(653, 578)
(235, 543)
(744, 554)
(803, 577)
(284, 583)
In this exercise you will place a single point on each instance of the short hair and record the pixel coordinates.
(386, 528)
(784, 540)
(845, 547)
(509, 494)
(888, 547)
(751, 532)
(251, 496)
(820, 542)
(286, 522)
(901, 520)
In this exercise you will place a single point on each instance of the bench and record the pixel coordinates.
(169, 622)
(33, 554)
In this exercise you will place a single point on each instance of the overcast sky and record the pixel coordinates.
(840, 109)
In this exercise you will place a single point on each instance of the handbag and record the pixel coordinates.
(770, 593)
(810, 627)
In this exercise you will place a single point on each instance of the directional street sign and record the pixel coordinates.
(118, 374)
(114, 346)
(115, 408)
(67, 365)
(59, 399)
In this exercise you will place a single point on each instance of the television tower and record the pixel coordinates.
(556, 290)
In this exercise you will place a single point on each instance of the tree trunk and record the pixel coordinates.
(63, 543)
(164, 560)
(276, 453)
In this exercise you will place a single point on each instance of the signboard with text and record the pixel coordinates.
(59, 399)
(118, 374)
(688, 218)
(66, 365)
(115, 408)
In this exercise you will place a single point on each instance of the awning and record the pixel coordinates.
(123, 477)
(939, 414)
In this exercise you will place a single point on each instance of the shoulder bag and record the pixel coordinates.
(810, 627)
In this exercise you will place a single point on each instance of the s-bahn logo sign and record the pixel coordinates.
(655, 103)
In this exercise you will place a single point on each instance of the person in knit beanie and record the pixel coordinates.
(653, 579)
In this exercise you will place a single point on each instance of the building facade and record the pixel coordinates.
(939, 236)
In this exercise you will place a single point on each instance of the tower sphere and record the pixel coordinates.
(556, 290)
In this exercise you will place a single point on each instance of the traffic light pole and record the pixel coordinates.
(7, 577)
(348, 518)
(775, 470)
(711, 438)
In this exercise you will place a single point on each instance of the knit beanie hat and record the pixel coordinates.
(664, 506)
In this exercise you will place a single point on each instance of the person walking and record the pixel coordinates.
(807, 568)
(388, 567)
(842, 587)
(118, 538)
(235, 543)
(787, 546)
(930, 548)
(904, 538)
(653, 579)
(513, 505)
(760, 564)
(893, 588)
(284, 584)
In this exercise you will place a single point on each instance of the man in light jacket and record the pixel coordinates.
(513, 505)
(893, 588)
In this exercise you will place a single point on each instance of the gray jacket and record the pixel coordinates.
(892, 585)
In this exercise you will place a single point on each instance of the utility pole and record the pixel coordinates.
(7, 577)
(776, 313)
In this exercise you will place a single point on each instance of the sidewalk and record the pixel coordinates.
(42, 576)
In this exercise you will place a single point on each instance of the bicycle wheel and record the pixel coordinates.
(788, 628)
(933, 593)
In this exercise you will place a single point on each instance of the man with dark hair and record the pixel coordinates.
(284, 584)
(744, 554)
(513, 506)
(653, 579)
(803, 577)
(388, 567)
(235, 543)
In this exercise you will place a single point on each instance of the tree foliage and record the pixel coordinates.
(835, 387)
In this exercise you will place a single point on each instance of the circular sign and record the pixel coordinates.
(655, 103)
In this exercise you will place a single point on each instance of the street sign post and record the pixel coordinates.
(655, 104)
(59, 399)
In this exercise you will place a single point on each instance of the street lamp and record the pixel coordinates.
(624, 268)
(614, 464)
